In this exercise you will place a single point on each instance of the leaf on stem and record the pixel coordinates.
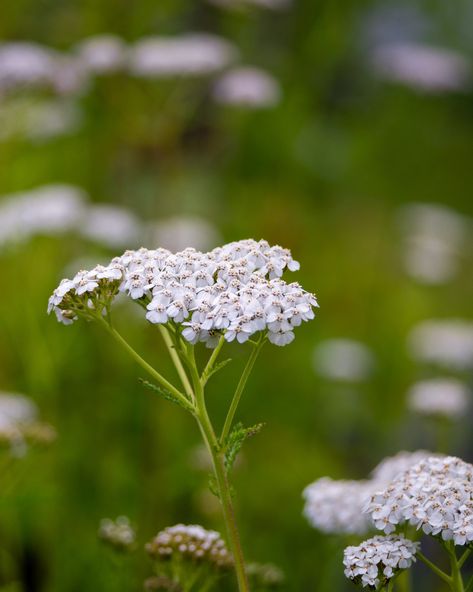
(235, 442)
(164, 393)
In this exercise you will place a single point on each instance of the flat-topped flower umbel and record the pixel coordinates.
(232, 293)
(233, 290)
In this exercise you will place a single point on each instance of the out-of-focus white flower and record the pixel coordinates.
(16, 409)
(180, 232)
(247, 87)
(19, 424)
(38, 120)
(446, 342)
(111, 225)
(343, 359)
(438, 396)
(335, 507)
(434, 238)
(102, 54)
(118, 533)
(50, 209)
(191, 543)
(377, 560)
(422, 67)
(265, 575)
(269, 4)
(191, 54)
(25, 65)
(392, 466)
(435, 495)
(70, 76)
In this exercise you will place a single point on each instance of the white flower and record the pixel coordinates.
(25, 64)
(227, 291)
(118, 533)
(446, 342)
(191, 54)
(439, 396)
(111, 225)
(435, 495)
(343, 360)
(50, 209)
(247, 87)
(392, 466)
(377, 560)
(335, 507)
(422, 67)
(102, 54)
(434, 241)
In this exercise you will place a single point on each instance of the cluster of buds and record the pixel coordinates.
(265, 575)
(192, 543)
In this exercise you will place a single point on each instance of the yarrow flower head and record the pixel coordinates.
(335, 507)
(435, 495)
(445, 397)
(192, 543)
(117, 533)
(235, 290)
(379, 559)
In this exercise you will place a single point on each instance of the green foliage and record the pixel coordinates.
(164, 393)
(235, 441)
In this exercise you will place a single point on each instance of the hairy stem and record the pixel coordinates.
(239, 391)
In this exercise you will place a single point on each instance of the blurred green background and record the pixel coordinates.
(324, 173)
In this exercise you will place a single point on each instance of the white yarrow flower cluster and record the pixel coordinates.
(436, 495)
(439, 396)
(377, 560)
(422, 67)
(191, 542)
(335, 507)
(234, 290)
(50, 209)
(392, 466)
(247, 87)
(190, 54)
(443, 342)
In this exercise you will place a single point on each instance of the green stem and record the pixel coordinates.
(177, 361)
(434, 568)
(218, 461)
(239, 391)
(463, 558)
(144, 364)
(403, 581)
(457, 580)
(212, 360)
